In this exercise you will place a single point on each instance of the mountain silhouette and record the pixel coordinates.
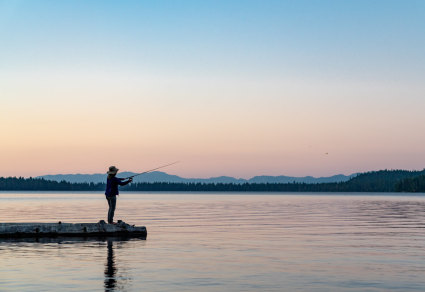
(158, 176)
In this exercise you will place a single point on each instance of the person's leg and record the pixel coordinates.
(109, 209)
(112, 202)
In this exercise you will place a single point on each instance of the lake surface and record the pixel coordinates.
(221, 242)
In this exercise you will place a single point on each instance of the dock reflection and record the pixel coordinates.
(115, 276)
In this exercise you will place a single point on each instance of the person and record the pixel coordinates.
(112, 192)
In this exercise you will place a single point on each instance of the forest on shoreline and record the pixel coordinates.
(374, 181)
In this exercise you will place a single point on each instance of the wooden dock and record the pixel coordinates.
(27, 230)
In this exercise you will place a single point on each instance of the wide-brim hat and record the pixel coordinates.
(112, 170)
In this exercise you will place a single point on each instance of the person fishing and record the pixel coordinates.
(112, 192)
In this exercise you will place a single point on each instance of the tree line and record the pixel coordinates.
(413, 185)
(374, 181)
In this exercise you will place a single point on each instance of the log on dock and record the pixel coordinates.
(16, 230)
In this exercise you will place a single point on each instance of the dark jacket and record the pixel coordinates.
(112, 186)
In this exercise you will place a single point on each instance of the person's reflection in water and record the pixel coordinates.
(110, 269)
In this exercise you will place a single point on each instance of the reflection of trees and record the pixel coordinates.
(110, 269)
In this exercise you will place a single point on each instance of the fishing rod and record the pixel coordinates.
(152, 169)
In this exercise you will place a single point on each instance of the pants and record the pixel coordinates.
(112, 202)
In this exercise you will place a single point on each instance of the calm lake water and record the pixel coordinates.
(222, 242)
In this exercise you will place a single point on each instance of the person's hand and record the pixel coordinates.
(130, 179)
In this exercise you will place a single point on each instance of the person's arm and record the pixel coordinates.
(121, 181)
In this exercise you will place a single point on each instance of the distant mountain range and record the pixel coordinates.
(158, 176)
(396, 180)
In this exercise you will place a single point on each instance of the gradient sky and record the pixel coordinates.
(239, 88)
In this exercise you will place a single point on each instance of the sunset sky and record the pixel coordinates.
(238, 88)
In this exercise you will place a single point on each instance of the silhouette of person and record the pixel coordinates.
(110, 269)
(112, 192)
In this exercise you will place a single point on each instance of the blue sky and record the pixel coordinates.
(271, 36)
